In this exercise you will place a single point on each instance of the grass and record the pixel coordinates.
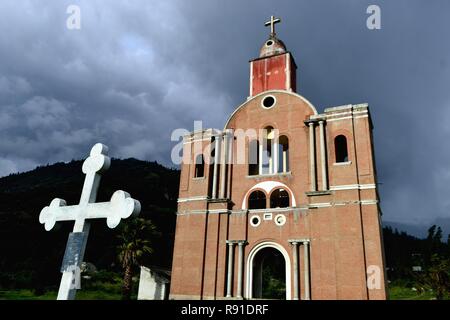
(112, 292)
(403, 293)
(101, 286)
(26, 294)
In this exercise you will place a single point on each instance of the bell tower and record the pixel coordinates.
(275, 68)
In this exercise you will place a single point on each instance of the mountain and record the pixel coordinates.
(30, 256)
(420, 230)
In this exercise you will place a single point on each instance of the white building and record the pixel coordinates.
(154, 284)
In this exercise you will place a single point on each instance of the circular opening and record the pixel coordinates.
(280, 220)
(268, 102)
(269, 43)
(255, 221)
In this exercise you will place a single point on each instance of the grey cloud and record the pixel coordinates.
(139, 69)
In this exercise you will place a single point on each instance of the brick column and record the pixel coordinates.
(223, 167)
(312, 156)
(216, 165)
(230, 147)
(306, 261)
(295, 265)
(230, 269)
(323, 156)
(241, 245)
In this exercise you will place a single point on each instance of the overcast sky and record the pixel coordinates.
(138, 69)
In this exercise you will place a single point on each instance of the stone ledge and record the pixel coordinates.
(318, 193)
(219, 200)
(271, 175)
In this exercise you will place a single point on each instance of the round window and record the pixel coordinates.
(269, 43)
(268, 102)
(280, 220)
(255, 221)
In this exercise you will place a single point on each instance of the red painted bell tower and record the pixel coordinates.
(275, 68)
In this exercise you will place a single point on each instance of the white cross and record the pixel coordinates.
(120, 207)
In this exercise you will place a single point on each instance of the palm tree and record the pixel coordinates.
(135, 244)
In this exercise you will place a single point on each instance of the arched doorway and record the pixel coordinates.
(269, 278)
(268, 272)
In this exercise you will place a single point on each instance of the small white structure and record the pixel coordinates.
(154, 284)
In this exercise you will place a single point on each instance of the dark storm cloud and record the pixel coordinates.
(139, 69)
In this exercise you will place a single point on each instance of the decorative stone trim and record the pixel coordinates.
(219, 211)
(271, 175)
(346, 163)
(309, 104)
(218, 200)
(338, 108)
(200, 198)
(268, 216)
(343, 203)
(255, 217)
(268, 96)
(269, 210)
(318, 193)
(280, 220)
(354, 187)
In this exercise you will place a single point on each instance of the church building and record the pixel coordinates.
(282, 203)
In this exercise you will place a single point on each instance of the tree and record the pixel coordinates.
(431, 232)
(434, 243)
(135, 244)
(438, 235)
(436, 277)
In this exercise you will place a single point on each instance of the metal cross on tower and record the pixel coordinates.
(272, 23)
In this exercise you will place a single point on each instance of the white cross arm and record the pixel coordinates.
(120, 207)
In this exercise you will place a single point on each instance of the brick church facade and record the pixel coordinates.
(297, 190)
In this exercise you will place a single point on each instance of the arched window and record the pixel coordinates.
(257, 200)
(283, 154)
(253, 158)
(279, 199)
(340, 147)
(211, 166)
(270, 155)
(267, 151)
(199, 166)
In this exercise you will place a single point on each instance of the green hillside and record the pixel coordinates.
(30, 257)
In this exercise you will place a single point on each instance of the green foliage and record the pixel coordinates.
(26, 294)
(134, 245)
(135, 241)
(403, 251)
(431, 254)
(98, 285)
(408, 293)
(273, 287)
(273, 274)
(436, 277)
